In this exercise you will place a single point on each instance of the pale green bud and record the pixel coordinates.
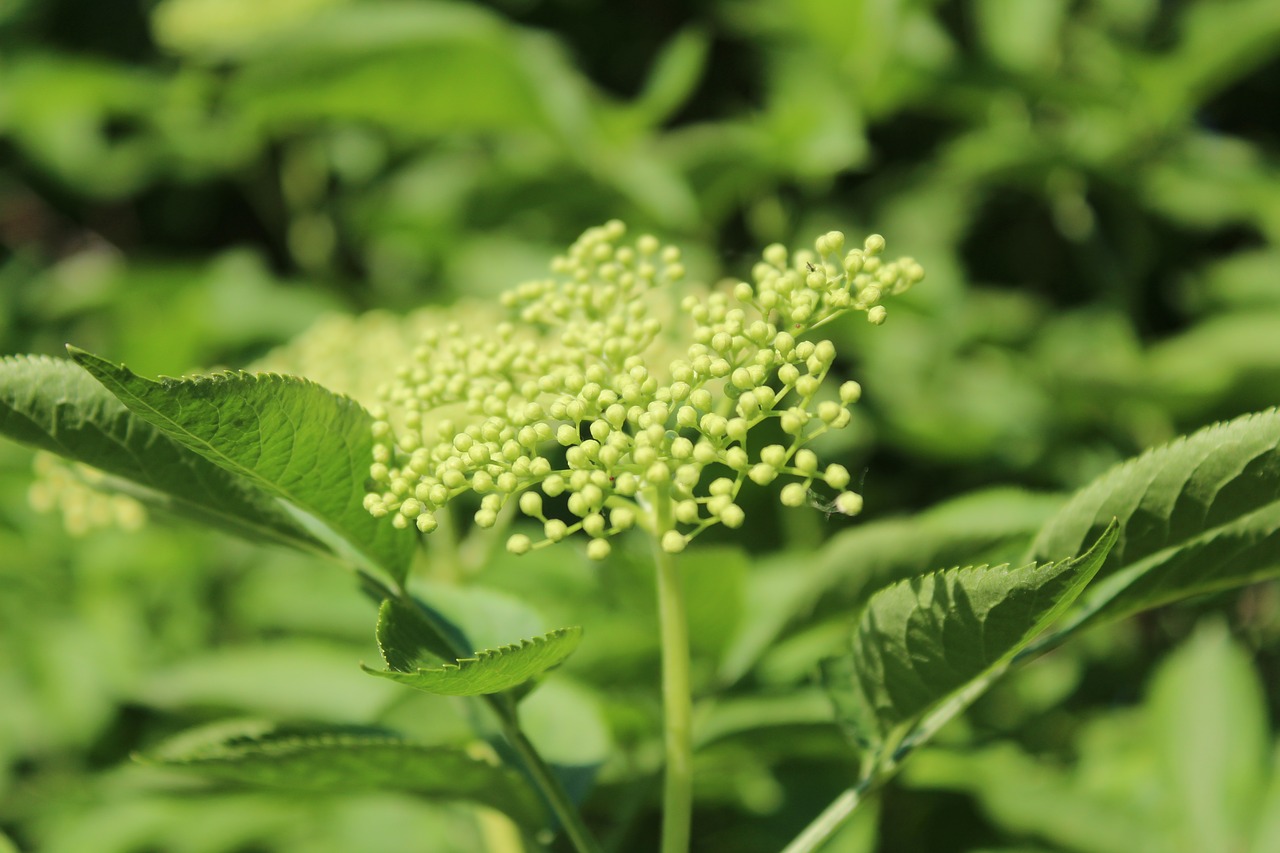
(567, 435)
(598, 549)
(837, 476)
(736, 458)
(519, 544)
(762, 474)
(673, 542)
(732, 516)
(849, 503)
(774, 455)
(806, 461)
(531, 504)
(850, 393)
(794, 494)
(555, 529)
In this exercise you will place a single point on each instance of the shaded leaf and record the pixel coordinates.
(56, 406)
(288, 436)
(928, 639)
(344, 759)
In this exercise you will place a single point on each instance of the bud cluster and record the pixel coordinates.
(577, 399)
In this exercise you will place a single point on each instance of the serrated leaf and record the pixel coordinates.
(1199, 514)
(843, 574)
(54, 405)
(489, 671)
(341, 760)
(925, 640)
(288, 436)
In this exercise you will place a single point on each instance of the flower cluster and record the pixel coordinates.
(80, 493)
(577, 398)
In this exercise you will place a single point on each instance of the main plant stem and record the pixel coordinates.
(677, 703)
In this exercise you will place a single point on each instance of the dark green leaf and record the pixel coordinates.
(343, 760)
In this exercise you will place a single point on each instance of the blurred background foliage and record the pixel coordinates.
(1092, 185)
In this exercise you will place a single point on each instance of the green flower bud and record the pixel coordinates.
(794, 494)
(762, 474)
(598, 549)
(837, 476)
(849, 503)
(673, 542)
(531, 504)
(519, 544)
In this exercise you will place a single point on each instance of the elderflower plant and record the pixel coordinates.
(580, 394)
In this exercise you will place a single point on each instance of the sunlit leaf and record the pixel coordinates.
(56, 406)
(1196, 515)
(403, 638)
(289, 437)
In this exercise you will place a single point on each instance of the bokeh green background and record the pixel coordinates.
(1093, 187)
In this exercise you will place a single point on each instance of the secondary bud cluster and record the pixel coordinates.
(577, 400)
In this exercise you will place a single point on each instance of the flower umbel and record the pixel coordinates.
(588, 394)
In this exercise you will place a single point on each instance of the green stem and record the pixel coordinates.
(542, 776)
(824, 825)
(677, 793)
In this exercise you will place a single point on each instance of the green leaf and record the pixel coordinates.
(857, 562)
(288, 436)
(341, 760)
(52, 404)
(1199, 514)
(1210, 733)
(945, 635)
(405, 637)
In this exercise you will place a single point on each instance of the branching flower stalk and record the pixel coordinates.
(627, 408)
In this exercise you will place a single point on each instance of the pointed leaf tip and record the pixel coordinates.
(488, 671)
